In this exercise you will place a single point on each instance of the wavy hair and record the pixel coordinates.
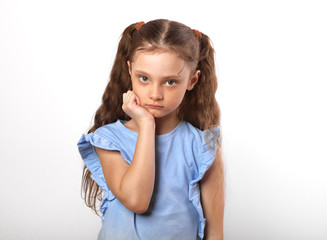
(198, 107)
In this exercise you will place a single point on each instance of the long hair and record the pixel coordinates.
(198, 107)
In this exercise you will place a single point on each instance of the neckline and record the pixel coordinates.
(120, 124)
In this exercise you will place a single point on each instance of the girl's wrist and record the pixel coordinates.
(147, 124)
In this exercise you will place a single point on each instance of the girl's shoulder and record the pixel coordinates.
(204, 137)
(115, 129)
(107, 128)
(203, 143)
(109, 135)
(112, 136)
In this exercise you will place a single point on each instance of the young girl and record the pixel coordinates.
(154, 149)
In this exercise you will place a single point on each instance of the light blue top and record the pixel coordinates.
(175, 212)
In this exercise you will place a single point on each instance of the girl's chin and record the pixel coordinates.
(161, 114)
(156, 113)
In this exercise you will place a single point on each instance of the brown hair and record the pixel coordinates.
(199, 106)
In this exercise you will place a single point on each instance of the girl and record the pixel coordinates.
(154, 149)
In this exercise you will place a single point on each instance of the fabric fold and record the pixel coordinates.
(88, 153)
(206, 158)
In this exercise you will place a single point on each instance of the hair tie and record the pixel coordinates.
(139, 25)
(197, 33)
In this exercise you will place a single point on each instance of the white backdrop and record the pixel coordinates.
(55, 59)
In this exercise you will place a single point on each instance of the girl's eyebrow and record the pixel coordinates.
(139, 71)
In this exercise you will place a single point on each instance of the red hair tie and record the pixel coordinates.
(197, 33)
(139, 25)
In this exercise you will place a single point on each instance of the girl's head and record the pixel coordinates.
(198, 106)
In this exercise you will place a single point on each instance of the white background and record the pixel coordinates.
(55, 59)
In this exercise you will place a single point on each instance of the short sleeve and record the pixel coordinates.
(206, 155)
(208, 145)
(101, 139)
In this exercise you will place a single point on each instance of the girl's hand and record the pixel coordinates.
(131, 106)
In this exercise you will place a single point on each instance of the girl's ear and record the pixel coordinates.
(129, 68)
(194, 79)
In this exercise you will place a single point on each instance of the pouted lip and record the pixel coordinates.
(154, 106)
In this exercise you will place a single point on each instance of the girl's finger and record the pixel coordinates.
(129, 94)
(132, 98)
(137, 100)
(125, 97)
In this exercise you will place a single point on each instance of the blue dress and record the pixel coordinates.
(175, 212)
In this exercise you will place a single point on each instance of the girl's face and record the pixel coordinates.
(160, 80)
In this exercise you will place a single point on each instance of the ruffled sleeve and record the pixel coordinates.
(206, 156)
(88, 153)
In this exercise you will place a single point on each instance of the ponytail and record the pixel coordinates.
(207, 86)
(202, 97)
(111, 109)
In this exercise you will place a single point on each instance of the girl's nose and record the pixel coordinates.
(156, 93)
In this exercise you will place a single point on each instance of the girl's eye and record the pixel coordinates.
(143, 78)
(171, 82)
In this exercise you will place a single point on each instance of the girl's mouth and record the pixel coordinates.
(154, 106)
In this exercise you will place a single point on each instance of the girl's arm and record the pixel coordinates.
(133, 184)
(213, 199)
